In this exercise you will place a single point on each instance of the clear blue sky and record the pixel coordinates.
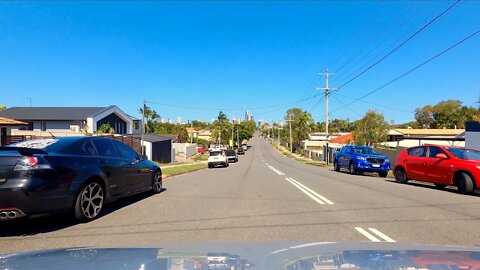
(237, 55)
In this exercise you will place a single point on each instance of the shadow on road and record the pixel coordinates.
(450, 189)
(54, 222)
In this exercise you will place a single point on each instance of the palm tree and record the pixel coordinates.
(302, 126)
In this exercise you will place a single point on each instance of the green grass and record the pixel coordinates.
(184, 168)
(202, 157)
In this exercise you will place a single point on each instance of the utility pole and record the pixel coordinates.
(290, 123)
(191, 133)
(233, 135)
(327, 94)
(143, 125)
(278, 133)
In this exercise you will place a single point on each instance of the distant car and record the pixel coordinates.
(440, 165)
(76, 174)
(240, 151)
(245, 147)
(217, 157)
(359, 159)
(231, 155)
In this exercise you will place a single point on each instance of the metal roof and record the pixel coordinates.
(51, 113)
(148, 137)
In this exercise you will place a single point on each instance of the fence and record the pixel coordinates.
(9, 139)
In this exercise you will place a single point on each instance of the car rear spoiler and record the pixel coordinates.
(24, 151)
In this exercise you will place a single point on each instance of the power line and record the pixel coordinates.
(231, 109)
(346, 74)
(378, 35)
(378, 105)
(411, 70)
(401, 44)
(345, 105)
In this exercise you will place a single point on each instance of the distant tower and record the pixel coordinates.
(179, 120)
(248, 117)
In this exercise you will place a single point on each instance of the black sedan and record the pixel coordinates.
(76, 174)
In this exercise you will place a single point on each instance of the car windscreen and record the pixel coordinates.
(230, 153)
(365, 150)
(467, 154)
(215, 153)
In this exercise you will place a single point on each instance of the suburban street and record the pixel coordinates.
(265, 196)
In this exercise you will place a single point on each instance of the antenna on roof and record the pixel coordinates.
(51, 134)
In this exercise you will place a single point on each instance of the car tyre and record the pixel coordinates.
(157, 182)
(440, 186)
(401, 176)
(210, 166)
(89, 202)
(335, 166)
(465, 183)
(227, 164)
(383, 174)
(351, 168)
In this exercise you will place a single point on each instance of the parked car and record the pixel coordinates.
(245, 147)
(78, 174)
(440, 165)
(240, 151)
(231, 155)
(359, 159)
(217, 157)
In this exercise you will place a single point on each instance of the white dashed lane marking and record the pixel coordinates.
(377, 233)
(309, 192)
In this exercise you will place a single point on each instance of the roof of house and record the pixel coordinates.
(11, 122)
(427, 132)
(191, 130)
(148, 137)
(52, 113)
(342, 139)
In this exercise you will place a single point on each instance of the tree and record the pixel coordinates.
(302, 123)
(221, 132)
(150, 116)
(424, 116)
(447, 113)
(371, 129)
(3, 107)
(106, 128)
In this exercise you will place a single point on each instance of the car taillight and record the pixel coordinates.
(32, 163)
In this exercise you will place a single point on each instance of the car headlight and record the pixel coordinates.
(387, 160)
(362, 158)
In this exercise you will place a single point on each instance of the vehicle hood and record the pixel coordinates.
(270, 255)
(371, 156)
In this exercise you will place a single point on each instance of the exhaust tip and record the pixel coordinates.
(3, 215)
(12, 214)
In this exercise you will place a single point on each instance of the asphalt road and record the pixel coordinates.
(265, 196)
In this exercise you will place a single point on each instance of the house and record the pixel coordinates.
(6, 124)
(66, 121)
(205, 134)
(157, 147)
(192, 132)
(408, 137)
(318, 140)
(472, 135)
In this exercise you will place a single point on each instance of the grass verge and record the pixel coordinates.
(181, 169)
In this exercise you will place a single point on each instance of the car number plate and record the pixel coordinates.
(376, 165)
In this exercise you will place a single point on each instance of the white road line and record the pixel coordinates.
(382, 235)
(305, 191)
(367, 234)
(313, 192)
(373, 238)
(275, 170)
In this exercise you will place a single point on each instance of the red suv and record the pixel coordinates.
(441, 165)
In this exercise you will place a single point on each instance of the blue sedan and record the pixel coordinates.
(359, 159)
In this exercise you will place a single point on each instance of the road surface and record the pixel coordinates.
(265, 196)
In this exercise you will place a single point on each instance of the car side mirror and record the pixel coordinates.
(441, 155)
(144, 157)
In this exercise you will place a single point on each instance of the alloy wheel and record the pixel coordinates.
(91, 201)
(157, 182)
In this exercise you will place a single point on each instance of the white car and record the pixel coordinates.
(217, 157)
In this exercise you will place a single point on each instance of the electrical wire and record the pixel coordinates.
(401, 44)
(411, 70)
(375, 104)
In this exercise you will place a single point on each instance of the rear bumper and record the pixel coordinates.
(26, 197)
(216, 163)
